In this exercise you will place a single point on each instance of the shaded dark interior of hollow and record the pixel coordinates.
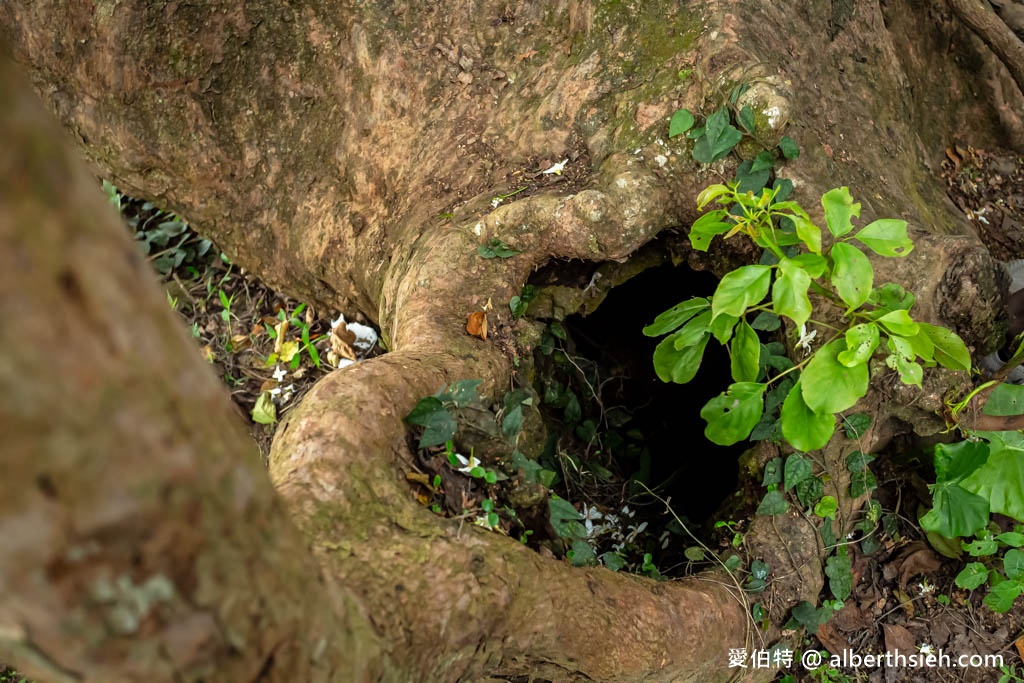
(697, 474)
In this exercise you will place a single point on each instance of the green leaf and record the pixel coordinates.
(423, 408)
(517, 306)
(856, 425)
(1013, 539)
(1005, 399)
(861, 342)
(921, 345)
(852, 274)
(737, 91)
(857, 461)
(1000, 598)
(719, 138)
(814, 264)
(512, 423)
(886, 237)
(750, 179)
(809, 491)
(763, 161)
(803, 428)
(839, 569)
(745, 351)
(681, 122)
(910, 372)
(808, 232)
(1001, 479)
(711, 193)
(955, 511)
(676, 316)
(891, 296)
(862, 482)
(900, 323)
(613, 561)
(438, 426)
(827, 507)
(806, 615)
(721, 327)
(956, 461)
(828, 385)
(772, 472)
(461, 392)
(783, 188)
(565, 519)
(789, 148)
(767, 321)
(980, 547)
(972, 576)
(950, 350)
(789, 293)
(798, 468)
(496, 248)
(731, 415)
(264, 412)
(1013, 564)
(692, 332)
(573, 413)
(740, 289)
(746, 118)
(773, 503)
(707, 226)
(839, 210)
(678, 365)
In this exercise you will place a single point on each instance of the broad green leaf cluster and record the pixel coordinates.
(799, 261)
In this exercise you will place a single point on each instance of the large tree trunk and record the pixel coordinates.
(318, 146)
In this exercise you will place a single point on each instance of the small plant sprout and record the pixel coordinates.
(490, 519)
(796, 263)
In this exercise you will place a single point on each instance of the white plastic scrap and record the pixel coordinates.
(366, 336)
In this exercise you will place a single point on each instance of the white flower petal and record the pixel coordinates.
(557, 168)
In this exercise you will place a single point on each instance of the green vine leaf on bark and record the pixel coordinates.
(802, 427)
(741, 289)
(676, 316)
(886, 237)
(678, 365)
(828, 385)
(839, 210)
(852, 274)
(731, 415)
(789, 293)
(745, 352)
(681, 122)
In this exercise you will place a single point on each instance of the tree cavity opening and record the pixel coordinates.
(666, 448)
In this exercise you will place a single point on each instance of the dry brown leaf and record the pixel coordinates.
(419, 478)
(832, 640)
(477, 324)
(526, 55)
(916, 558)
(1020, 646)
(899, 638)
(341, 348)
(280, 328)
(239, 342)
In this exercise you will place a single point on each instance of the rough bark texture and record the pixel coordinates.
(318, 145)
(141, 538)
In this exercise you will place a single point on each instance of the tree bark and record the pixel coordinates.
(319, 147)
